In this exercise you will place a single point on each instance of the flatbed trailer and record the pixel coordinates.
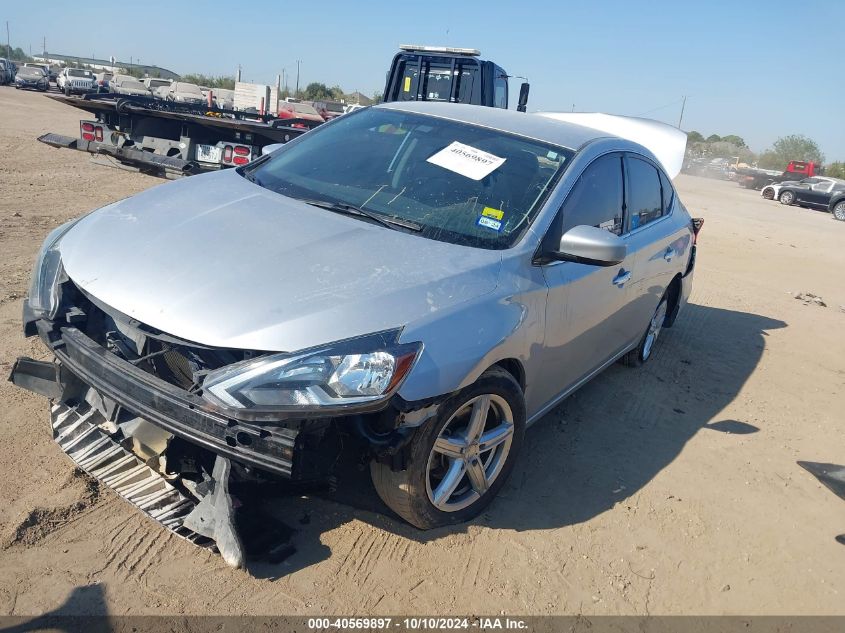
(171, 139)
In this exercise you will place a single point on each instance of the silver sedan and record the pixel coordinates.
(431, 278)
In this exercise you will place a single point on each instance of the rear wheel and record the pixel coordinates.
(787, 197)
(768, 193)
(839, 211)
(645, 349)
(458, 461)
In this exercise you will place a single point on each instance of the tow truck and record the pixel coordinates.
(171, 139)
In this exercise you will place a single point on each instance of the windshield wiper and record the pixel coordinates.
(349, 209)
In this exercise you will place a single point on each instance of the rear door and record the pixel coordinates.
(653, 238)
(585, 324)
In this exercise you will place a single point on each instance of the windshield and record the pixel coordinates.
(133, 85)
(435, 82)
(461, 183)
(187, 89)
(156, 83)
(74, 72)
(30, 71)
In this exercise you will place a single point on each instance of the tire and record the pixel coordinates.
(768, 193)
(67, 91)
(411, 493)
(645, 350)
(786, 197)
(839, 211)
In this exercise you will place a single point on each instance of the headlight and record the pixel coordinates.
(350, 372)
(48, 274)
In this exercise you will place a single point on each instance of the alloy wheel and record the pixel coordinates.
(839, 211)
(786, 197)
(469, 453)
(654, 329)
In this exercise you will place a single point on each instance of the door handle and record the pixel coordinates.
(622, 278)
(669, 254)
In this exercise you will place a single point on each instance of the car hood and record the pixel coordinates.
(219, 261)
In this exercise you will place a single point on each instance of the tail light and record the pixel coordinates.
(697, 223)
(242, 154)
(98, 133)
(227, 154)
(87, 130)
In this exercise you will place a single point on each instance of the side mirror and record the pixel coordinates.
(272, 147)
(591, 245)
(523, 97)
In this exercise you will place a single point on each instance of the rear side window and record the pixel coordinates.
(645, 197)
(596, 199)
(668, 193)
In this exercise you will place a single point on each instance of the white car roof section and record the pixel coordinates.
(667, 143)
(567, 129)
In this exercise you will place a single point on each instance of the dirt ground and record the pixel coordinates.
(671, 489)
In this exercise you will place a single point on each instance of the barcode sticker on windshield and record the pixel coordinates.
(466, 161)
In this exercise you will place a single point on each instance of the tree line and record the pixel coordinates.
(783, 150)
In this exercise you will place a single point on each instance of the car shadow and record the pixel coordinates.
(596, 449)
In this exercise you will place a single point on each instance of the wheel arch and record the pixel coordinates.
(673, 298)
(514, 367)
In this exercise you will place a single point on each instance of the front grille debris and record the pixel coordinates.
(76, 430)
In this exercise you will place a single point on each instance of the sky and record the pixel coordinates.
(758, 69)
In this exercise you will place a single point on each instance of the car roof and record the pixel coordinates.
(533, 126)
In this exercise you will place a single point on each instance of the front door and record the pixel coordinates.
(584, 312)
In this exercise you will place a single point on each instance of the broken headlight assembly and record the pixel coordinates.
(47, 275)
(348, 373)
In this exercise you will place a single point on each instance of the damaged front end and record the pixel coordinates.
(132, 407)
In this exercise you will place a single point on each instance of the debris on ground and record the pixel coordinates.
(809, 297)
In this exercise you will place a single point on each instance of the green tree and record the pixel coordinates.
(734, 140)
(315, 91)
(714, 138)
(835, 170)
(695, 137)
(210, 81)
(792, 147)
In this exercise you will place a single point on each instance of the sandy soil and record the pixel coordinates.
(672, 489)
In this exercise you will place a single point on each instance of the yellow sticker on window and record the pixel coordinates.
(490, 212)
(407, 84)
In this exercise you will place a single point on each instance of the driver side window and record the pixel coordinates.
(596, 199)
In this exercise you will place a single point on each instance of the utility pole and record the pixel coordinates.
(238, 76)
(8, 43)
(43, 44)
(298, 61)
(683, 105)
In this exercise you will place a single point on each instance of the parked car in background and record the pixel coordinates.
(102, 80)
(816, 196)
(44, 67)
(352, 107)
(457, 272)
(299, 110)
(76, 81)
(837, 205)
(772, 192)
(4, 71)
(328, 109)
(157, 86)
(32, 78)
(183, 92)
(128, 85)
(224, 98)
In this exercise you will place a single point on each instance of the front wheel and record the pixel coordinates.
(787, 197)
(768, 193)
(458, 461)
(839, 211)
